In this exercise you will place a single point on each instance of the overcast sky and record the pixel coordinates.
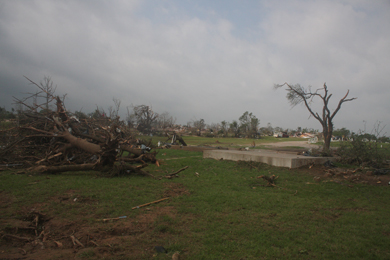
(200, 58)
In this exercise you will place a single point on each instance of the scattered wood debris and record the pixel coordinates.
(76, 241)
(55, 141)
(270, 179)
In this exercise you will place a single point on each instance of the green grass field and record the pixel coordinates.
(222, 212)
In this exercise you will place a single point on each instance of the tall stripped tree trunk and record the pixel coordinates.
(297, 95)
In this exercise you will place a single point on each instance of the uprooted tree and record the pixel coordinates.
(57, 141)
(297, 95)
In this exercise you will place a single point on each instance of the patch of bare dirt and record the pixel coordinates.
(175, 190)
(33, 235)
(6, 201)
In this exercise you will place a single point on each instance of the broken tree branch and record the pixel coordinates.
(143, 205)
(76, 241)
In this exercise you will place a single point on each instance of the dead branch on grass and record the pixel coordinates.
(271, 182)
(172, 175)
(143, 205)
(270, 179)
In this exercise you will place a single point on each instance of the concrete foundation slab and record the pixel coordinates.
(274, 158)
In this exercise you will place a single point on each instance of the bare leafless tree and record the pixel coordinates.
(199, 125)
(113, 111)
(48, 89)
(130, 117)
(117, 105)
(165, 120)
(145, 117)
(297, 95)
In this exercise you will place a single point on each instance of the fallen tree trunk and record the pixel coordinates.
(131, 149)
(81, 143)
(62, 168)
(95, 138)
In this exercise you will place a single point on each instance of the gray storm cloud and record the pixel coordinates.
(200, 60)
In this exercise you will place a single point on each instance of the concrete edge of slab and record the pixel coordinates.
(268, 157)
